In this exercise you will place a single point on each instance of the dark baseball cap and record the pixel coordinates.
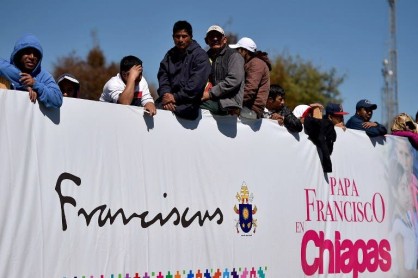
(365, 103)
(334, 109)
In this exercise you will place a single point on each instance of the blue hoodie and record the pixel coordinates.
(45, 86)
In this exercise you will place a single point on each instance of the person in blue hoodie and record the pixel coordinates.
(25, 73)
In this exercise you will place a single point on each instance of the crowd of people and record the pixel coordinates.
(227, 79)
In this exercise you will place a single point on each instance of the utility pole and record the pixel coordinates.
(390, 72)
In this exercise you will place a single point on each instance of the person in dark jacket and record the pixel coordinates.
(24, 72)
(277, 110)
(361, 120)
(227, 78)
(183, 74)
(322, 133)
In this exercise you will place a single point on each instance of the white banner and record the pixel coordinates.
(102, 190)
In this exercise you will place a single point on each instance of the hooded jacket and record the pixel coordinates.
(45, 86)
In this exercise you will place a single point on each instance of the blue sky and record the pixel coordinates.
(351, 36)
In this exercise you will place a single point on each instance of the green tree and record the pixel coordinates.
(304, 82)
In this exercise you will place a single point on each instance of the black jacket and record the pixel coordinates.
(185, 76)
(356, 122)
(290, 121)
(323, 135)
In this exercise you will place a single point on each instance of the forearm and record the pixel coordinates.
(48, 93)
(10, 72)
(377, 130)
(146, 98)
(127, 94)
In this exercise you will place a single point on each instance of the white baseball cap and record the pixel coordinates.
(245, 43)
(216, 28)
(301, 110)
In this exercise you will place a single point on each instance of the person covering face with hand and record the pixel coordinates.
(129, 87)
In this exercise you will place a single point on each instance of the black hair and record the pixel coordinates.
(183, 25)
(128, 62)
(416, 117)
(276, 90)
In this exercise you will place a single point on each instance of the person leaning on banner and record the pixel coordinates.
(68, 85)
(257, 78)
(277, 110)
(24, 73)
(335, 113)
(183, 74)
(320, 131)
(404, 126)
(225, 97)
(129, 86)
(361, 120)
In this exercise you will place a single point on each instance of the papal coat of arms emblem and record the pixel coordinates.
(245, 210)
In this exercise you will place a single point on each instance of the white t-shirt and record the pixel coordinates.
(115, 86)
